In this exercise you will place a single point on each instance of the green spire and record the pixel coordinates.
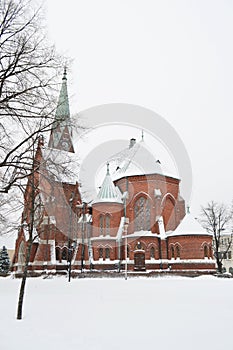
(61, 135)
(63, 109)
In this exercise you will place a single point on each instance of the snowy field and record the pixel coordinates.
(98, 314)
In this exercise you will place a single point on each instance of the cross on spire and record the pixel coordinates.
(64, 73)
(108, 173)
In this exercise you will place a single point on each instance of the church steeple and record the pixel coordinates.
(61, 134)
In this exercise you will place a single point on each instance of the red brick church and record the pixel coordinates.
(137, 219)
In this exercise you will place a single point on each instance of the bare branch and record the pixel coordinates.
(216, 218)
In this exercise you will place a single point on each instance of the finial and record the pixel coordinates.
(142, 135)
(108, 168)
(64, 73)
(41, 140)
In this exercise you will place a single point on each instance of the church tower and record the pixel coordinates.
(61, 133)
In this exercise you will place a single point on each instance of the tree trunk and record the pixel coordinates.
(23, 282)
(219, 265)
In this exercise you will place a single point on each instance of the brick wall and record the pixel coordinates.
(113, 210)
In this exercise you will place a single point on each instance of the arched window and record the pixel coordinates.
(64, 255)
(107, 253)
(101, 224)
(152, 252)
(177, 251)
(100, 253)
(205, 251)
(142, 214)
(83, 251)
(172, 252)
(107, 225)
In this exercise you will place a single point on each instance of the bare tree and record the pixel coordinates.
(217, 218)
(29, 217)
(28, 80)
(43, 178)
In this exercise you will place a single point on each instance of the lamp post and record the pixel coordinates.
(83, 207)
(71, 249)
(126, 245)
(126, 222)
(126, 257)
(70, 245)
(83, 231)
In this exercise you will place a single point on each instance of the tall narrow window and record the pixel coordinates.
(100, 253)
(152, 252)
(142, 214)
(107, 253)
(107, 225)
(172, 252)
(127, 251)
(205, 251)
(177, 251)
(58, 253)
(101, 224)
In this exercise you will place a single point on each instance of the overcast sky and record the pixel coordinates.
(174, 57)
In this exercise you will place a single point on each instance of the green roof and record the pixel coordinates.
(108, 191)
(63, 110)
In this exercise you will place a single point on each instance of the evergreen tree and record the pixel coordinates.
(4, 261)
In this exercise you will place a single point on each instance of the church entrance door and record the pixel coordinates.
(139, 261)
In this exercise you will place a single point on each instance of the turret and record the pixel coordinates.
(107, 208)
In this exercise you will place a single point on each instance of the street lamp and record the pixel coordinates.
(125, 196)
(83, 207)
(70, 245)
(126, 257)
(71, 249)
(126, 246)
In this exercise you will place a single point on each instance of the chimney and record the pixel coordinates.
(132, 142)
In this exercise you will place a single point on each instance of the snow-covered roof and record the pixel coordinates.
(108, 191)
(142, 233)
(136, 159)
(188, 226)
(61, 164)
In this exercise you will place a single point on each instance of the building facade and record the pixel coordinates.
(226, 252)
(137, 220)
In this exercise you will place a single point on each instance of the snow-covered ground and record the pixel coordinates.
(98, 314)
